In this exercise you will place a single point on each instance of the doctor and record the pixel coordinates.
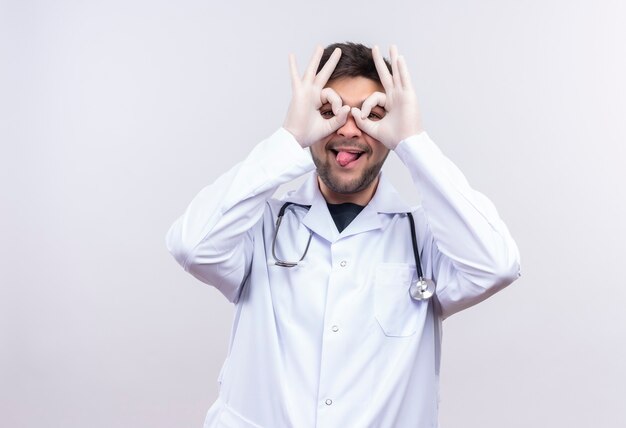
(326, 332)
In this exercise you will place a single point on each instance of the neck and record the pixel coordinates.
(362, 197)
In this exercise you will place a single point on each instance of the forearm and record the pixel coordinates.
(467, 231)
(211, 239)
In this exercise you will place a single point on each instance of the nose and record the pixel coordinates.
(349, 129)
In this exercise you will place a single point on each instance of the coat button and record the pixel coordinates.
(335, 328)
(343, 263)
(328, 401)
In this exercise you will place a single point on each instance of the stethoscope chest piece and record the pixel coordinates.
(422, 289)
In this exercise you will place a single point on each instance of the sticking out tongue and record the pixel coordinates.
(344, 158)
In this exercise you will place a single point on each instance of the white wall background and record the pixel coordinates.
(113, 114)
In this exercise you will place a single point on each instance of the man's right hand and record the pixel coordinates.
(304, 120)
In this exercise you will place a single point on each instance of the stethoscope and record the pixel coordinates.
(421, 289)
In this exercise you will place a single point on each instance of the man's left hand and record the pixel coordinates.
(402, 118)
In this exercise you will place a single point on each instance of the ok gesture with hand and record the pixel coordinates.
(402, 118)
(304, 120)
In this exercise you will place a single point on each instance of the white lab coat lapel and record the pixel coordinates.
(366, 220)
(318, 219)
(386, 200)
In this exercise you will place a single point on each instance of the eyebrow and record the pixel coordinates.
(359, 105)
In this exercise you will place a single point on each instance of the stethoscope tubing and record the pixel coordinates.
(416, 253)
(422, 289)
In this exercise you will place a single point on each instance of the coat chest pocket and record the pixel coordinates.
(396, 312)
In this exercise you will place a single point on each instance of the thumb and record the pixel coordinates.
(364, 125)
(341, 115)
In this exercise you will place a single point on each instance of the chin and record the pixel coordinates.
(346, 185)
(344, 181)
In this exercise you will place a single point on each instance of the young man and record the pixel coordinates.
(333, 327)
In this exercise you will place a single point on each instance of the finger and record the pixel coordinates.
(381, 68)
(376, 99)
(293, 68)
(328, 95)
(393, 55)
(404, 73)
(309, 75)
(340, 117)
(364, 125)
(326, 71)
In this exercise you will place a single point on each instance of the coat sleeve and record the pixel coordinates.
(212, 240)
(472, 253)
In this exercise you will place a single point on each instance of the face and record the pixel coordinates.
(348, 161)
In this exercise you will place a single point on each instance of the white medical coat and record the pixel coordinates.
(337, 341)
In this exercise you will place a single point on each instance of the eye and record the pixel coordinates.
(326, 111)
(376, 114)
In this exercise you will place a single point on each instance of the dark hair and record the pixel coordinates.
(356, 60)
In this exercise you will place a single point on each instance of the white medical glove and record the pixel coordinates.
(402, 117)
(304, 120)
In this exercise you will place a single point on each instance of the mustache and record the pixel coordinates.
(348, 144)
